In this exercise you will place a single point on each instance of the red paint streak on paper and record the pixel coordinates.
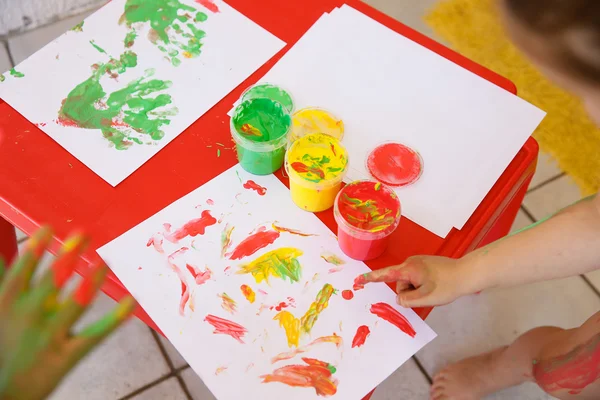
(139, 268)
(263, 292)
(361, 335)
(316, 374)
(291, 303)
(210, 202)
(359, 282)
(335, 339)
(279, 228)
(391, 315)
(200, 277)
(220, 370)
(209, 5)
(251, 185)
(41, 124)
(157, 242)
(249, 367)
(347, 294)
(226, 327)
(185, 296)
(253, 243)
(194, 227)
(573, 371)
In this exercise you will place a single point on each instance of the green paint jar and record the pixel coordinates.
(259, 128)
(269, 91)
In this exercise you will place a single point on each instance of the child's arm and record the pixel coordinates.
(567, 244)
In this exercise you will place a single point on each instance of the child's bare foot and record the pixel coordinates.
(471, 379)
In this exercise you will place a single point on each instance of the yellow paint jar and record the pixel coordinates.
(316, 165)
(315, 120)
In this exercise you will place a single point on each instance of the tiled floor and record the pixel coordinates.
(136, 364)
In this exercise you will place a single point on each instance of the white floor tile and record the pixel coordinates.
(24, 45)
(5, 64)
(594, 278)
(176, 358)
(522, 221)
(408, 382)
(480, 323)
(196, 387)
(167, 390)
(409, 12)
(126, 361)
(552, 197)
(547, 168)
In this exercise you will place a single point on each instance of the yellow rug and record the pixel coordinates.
(472, 27)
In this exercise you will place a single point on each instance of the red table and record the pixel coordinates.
(41, 183)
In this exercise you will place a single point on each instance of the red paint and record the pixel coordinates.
(40, 124)
(303, 168)
(194, 227)
(200, 277)
(291, 231)
(139, 268)
(359, 283)
(361, 335)
(252, 244)
(395, 164)
(347, 294)
(226, 327)
(185, 297)
(86, 292)
(574, 371)
(316, 374)
(251, 185)
(65, 264)
(209, 5)
(157, 242)
(391, 315)
(364, 229)
(210, 202)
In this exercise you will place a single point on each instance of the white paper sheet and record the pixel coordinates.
(387, 88)
(232, 49)
(227, 366)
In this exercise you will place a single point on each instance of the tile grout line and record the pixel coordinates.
(528, 214)
(184, 387)
(148, 386)
(422, 369)
(11, 60)
(164, 353)
(547, 181)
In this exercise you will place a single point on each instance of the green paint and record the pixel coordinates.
(261, 127)
(2, 78)
(78, 27)
(331, 368)
(130, 38)
(100, 49)
(16, 73)
(125, 111)
(218, 152)
(375, 220)
(162, 16)
(268, 91)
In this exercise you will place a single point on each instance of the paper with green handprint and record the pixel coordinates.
(116, 89)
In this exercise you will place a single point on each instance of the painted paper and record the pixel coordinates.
(134, 75)
(267, 308)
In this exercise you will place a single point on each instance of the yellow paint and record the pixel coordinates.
(281, 263)
(325, 161)
(248, 293)
(315, 120)
(291, 325)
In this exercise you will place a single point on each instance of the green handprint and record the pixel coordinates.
(173, 28)
(122, 113)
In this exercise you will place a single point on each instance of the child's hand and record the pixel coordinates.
(37, 344)
(423, 281)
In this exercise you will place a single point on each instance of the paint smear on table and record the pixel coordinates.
(227, 303)
(248, 293)
(315, 374)
(192, 228)
(200, 277)
(361, 335)
(294, 327)
(251, 185)
(391, 315)
(279, 228)
(281, 263)
(256, 241)
(225, 327)
(335, 339)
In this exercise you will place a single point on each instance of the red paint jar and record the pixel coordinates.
(367, 213)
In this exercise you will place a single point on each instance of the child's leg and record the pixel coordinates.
(565, 363)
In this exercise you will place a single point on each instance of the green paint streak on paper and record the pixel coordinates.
(100, 49)
(78, 27)
(116, 115)
(16, 73)
(163, 15)
(2, 78)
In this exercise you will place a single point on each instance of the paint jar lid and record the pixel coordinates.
(269, 91)
(260, 125)
(311, 120)
(316, 161)
(395, 164)
(367, 209)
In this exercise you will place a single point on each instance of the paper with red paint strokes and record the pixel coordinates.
(228, 333)
(114, 89)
